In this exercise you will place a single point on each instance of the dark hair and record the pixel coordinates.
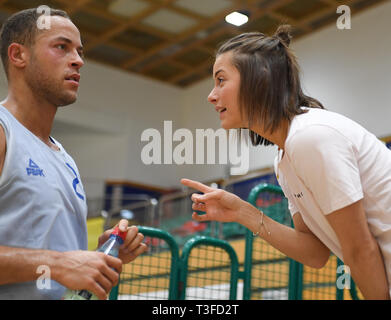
(22, 28)
(270, 89)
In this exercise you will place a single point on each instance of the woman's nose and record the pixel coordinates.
(212, 98)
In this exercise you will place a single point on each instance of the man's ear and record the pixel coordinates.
(17, 55)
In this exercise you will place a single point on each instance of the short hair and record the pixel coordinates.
(270, 89)
(21, 27)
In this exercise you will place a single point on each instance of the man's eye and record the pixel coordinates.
(220, 80)
(61, 46)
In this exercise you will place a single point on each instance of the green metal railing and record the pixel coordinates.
(154, 274)
(268, 273)
(206, 263)
(210, 264)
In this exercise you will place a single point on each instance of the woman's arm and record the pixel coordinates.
(360, 250)
(299, 243)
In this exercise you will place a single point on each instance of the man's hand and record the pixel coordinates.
(132, 246)
(89, 270)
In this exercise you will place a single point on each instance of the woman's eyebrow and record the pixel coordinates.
(217, 72)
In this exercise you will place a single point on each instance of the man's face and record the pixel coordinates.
(55, 62)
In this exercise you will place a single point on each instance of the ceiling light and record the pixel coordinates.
(236, 18)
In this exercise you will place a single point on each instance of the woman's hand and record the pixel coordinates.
(218, 205)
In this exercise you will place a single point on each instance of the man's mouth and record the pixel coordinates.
(73, 77)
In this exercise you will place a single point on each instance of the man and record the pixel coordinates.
(42, 202)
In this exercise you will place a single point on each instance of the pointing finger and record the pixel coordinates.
(196, 185)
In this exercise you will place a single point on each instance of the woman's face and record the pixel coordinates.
(225, 93)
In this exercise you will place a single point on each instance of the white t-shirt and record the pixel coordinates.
(329, 163)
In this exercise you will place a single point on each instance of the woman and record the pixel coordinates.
(335, 174)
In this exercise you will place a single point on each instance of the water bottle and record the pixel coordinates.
(110, 247)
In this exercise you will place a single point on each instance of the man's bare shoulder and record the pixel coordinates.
(3, 147)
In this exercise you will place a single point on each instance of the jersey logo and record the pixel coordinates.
(75, 182)
(34, 170)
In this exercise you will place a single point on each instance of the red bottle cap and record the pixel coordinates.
(118, 232)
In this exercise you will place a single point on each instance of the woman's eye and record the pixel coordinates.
(220, 80)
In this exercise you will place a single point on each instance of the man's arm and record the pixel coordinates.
(21, 265)
(75, 270)
(360, 250)
(3, 148)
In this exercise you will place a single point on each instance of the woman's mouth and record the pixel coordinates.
(221, 110)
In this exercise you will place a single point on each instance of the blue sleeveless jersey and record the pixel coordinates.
(42, 203)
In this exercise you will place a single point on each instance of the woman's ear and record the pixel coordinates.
(17, 55)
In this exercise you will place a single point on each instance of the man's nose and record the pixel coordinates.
(77, 61)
